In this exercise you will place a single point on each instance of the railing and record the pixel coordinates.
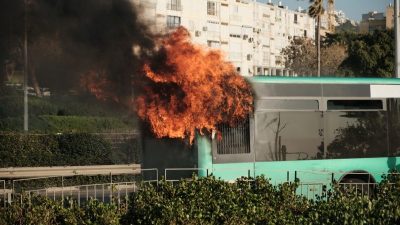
(5, 194)
(28, 172)
(118, 192)
(321, 182)
(105, 192)
(174, 7)
(177, 170)
(59, 188)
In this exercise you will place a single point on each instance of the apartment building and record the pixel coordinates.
(251, 34)
(377, 21)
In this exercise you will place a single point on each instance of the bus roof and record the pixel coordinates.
(323, 80)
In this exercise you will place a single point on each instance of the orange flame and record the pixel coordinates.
(95, 82)
(191, 88)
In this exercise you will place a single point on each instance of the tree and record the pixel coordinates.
(369, 55)
(300, 56)
(315, 11)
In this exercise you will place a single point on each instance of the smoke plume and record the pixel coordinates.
(71, 38)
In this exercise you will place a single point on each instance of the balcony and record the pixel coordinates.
(174, 7)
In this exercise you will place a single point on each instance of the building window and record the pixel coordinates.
(174, 5)
(211, 8)
(235, 9)
(278, 60)
(173, 21)
(265, 58)
(235, 31)
(213, 44)
(305, 33)
(295, 18)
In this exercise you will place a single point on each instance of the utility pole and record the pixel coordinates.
(26, 116)
(397, 37)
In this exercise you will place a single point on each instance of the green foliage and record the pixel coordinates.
(369, 55)
(17, 150)
(213, 201)
(83, 124)
(62, 114)
(39, 210)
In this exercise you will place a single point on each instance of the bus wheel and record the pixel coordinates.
(361, 184)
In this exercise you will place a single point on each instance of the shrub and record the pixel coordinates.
(20, 150)
(213, 201)
(43, 211)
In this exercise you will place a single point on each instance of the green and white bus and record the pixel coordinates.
(313, 129)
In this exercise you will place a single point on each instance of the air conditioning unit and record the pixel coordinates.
(245, 37)
(204, 28)
(197, 33)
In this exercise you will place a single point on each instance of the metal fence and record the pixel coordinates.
(318, 183)
(62, 187)
(118, 191)
(105, 192)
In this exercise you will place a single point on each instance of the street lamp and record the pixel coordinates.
(25, 67)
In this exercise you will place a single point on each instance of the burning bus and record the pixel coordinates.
(313, 129)
(286, 128)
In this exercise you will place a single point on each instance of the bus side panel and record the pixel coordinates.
(204, 155)
(321, 171)
(231, 171)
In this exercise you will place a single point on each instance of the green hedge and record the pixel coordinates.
(20, 150)
(63, 114)
(43, 211)
(85, 124)
(212, 201)
(62, 124)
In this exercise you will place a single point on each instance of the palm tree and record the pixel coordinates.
(315, 11)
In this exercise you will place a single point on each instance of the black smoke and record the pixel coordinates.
(67, 38)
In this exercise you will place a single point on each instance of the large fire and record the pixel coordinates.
(191, 88)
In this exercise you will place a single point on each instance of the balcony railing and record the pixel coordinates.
(174, 7)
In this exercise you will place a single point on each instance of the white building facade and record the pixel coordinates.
(250, 34)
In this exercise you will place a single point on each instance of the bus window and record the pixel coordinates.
(281, 136)
(278, 104)
(394, 128)
(357, 134)
(355, 105)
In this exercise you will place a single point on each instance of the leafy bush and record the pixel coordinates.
(44, 211)
(20, 150)
(84, 124)
(63, 114)
(213, 201)
(63, 124)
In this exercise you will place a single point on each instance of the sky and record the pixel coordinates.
(352, 8)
